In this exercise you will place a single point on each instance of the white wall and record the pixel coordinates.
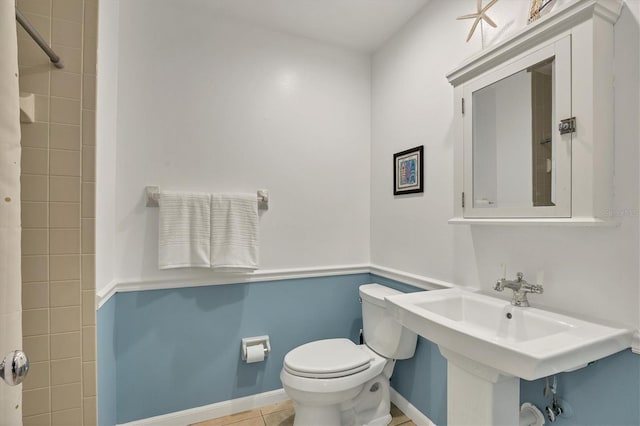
(587, 271)
(206, 103)
(106, 125)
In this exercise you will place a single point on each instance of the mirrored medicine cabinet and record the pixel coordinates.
(534, 123)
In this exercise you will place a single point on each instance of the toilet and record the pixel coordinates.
(335, 382)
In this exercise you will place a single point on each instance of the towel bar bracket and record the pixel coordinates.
(152, 197)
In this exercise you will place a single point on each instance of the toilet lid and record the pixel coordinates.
(326, 359)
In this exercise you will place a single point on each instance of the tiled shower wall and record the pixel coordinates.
(58, 194)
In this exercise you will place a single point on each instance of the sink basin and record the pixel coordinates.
(529, 343)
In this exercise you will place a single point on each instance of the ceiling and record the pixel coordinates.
(357, 24)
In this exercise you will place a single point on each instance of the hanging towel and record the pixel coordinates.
(234, 232)
(185, 229)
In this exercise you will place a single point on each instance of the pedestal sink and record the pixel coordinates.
(490, 344)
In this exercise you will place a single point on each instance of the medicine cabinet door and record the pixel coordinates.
(517, 164)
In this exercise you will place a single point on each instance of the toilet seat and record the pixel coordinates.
(327, 359)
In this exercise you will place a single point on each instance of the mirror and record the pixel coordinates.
(513, 140)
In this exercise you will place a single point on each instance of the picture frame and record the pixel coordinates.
(408, 171)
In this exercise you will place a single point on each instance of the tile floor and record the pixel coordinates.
(281, 414)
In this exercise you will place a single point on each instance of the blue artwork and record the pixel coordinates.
(408, 175)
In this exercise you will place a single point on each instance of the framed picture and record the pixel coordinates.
(408, 171)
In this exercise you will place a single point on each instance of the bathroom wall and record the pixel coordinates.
(58, 157)
(590, 271)
(205, 103)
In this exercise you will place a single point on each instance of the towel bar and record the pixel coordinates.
(153, 196)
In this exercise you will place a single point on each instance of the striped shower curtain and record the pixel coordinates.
(10, 277)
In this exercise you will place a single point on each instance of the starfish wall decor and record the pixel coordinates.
(479, 16)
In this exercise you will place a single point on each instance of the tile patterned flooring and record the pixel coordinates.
(281, 414)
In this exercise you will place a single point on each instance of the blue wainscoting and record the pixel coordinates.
(107, 366)
(180, 348)
(161, 351)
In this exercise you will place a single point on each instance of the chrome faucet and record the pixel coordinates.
(520, 289)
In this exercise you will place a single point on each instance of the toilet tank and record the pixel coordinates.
(382, 332)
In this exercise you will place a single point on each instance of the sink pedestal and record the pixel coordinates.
(479, 395)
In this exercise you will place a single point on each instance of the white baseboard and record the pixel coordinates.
(212, 411)
(411, 411)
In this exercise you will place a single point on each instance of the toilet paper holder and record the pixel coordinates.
(254, 341)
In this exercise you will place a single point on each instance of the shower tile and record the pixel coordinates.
(66, 84)
(35, 269)
(35, 161)
(64, 136)
(40, 22)
(64, 241)
(35, 295)
(69, 10)
(89, 164)
(88, 236)
(64, 215)
(67, 417)
(89, 92)
(38, 375)
(64, 320)
(37, 347)
(34, 188)
(39, 420)
(65, 111)
(65, 189)
(89, 343)
(65, 397)
(64, 267)
(35, 215)
(35, 322)
(66, 345)
(30, 55)
(64, 163)
(88, 379)
(42, 108)
(88, 200)
(64, 293)
(35, 402)
(34, 80)
(71, 56)
(89, 412)
(91, 19)
(66, 32)
(40, 7)
(89, 51)
(88, 307)
(66, 371)
(88, 272)
(35, 241)
(34, 135)
(88, 127)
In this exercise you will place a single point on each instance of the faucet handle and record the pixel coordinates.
(519, 276)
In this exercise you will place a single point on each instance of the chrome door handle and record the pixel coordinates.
(14, 367)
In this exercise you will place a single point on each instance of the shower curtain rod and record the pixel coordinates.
(35, 35)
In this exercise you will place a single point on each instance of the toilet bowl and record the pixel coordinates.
(335, 382)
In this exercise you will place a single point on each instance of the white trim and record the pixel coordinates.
(410, 410)
(215, 278)
(419, 281)
(635, 342)
(531, 35)
(212, 411)
(538, 221)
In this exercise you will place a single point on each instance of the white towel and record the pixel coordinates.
(234, 232)
(184, 231)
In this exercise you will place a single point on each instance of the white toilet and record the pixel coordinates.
(334, 382)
